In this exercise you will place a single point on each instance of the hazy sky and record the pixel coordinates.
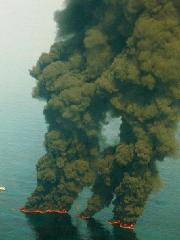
(26, 25)
(27, 28)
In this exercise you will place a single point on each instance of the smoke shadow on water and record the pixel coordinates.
(120, 234)
(60, 227)
(53, 227)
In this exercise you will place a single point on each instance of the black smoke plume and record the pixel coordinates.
(111, 56)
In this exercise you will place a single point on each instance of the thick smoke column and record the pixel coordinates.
(117, 56)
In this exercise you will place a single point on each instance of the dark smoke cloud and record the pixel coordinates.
(120, 57)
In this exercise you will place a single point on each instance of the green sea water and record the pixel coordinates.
(27, 29)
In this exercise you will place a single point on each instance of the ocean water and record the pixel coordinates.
(27, 29)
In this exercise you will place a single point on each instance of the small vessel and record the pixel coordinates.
(2, 189)
(119, 223)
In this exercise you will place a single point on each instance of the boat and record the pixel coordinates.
(119, 223)
(2, 189)
(29, 211)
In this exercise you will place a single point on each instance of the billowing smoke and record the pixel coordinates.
(118, 57)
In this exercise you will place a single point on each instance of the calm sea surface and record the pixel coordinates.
(27, 29)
